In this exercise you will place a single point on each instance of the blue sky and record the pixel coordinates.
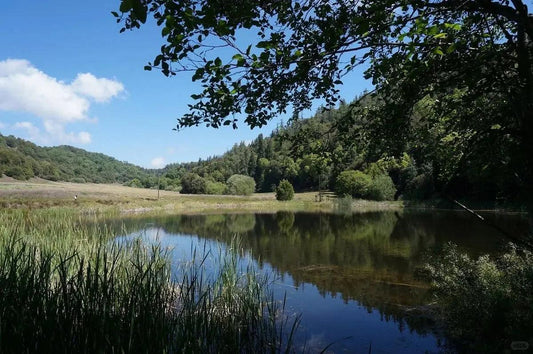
(67, 76)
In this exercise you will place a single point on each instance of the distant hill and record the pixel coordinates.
(22, 160)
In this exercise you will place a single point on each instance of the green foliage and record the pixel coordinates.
(21, 159)
(353, 183)
(240, 185)
(284, 190)
(19, 172)
(136, 183)
(192, 183)
(381, 188)
(420, 187)
(171, 184)
(217, 176)
(215, 187)
(485, 302)
(78, 180)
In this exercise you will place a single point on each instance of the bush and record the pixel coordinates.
(381, 188)
(240, 185)
(486, 304)
(353, 183)
(192, 183)
(78, 180)
(215, 187)
(136, 183)
(284, 191)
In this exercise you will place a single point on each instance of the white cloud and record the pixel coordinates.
(24, 88)
(31, 130)
(158, 162)
(53, 132)
(101, 90)
(2, 125)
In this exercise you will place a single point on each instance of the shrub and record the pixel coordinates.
(353, 183)
(78, 180)
(136, 183)
(240, 185)
(485, 303)
(192, 183)
(284, 191)
(381, 188)
(215, 187)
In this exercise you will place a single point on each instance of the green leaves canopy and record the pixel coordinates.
(303, 48)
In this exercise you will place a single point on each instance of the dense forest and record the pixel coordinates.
(22, 160)
(434, 160)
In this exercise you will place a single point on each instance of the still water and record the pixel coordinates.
(351, 277)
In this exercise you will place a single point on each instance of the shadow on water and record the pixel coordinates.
(336, 269)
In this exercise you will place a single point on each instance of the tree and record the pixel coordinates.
(353, 183)
(192, 183)
(481, 49)
(284, 190)
(381, 188)
(240, 185)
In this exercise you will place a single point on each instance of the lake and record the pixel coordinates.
(350, 277)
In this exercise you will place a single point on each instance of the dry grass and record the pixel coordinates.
(37, 193)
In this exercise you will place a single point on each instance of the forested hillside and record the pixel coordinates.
(324, 151)
(22, 159)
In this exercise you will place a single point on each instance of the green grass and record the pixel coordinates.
(66, 288)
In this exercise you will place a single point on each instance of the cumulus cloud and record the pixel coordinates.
(101, 90)
(24, 88)
(158, 162)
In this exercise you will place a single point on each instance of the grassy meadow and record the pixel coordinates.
(38, 193)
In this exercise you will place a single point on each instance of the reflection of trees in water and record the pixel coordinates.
(370, 258)
(349, 255)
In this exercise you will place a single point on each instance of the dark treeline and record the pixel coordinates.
(22, 160)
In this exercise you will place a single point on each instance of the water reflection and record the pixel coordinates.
(337, 268)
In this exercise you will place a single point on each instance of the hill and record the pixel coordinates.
(426, 161)
(22, 160)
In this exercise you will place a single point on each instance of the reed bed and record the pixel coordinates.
(66, 287)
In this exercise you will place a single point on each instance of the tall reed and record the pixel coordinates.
(66, 288)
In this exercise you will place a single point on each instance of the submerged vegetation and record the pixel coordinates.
(67, 287)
